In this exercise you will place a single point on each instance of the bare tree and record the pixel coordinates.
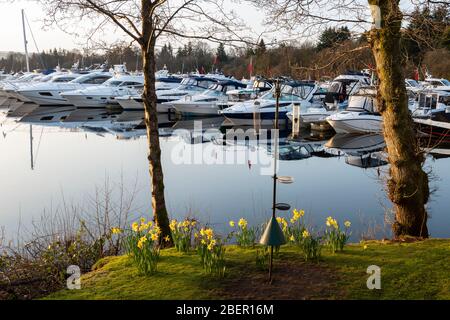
(144, 22)
(408, 183)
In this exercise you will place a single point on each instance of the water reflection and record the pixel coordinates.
(332, 173)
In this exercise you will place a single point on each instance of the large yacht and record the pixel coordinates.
(50, 93)
(105, 94)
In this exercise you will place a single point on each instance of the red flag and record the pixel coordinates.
(416, 74)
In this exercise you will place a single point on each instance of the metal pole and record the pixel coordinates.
(274, 199)
(25, 41)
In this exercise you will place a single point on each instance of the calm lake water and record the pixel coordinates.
(341, 176)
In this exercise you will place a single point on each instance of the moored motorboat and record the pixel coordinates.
(207, 102)
(361, 116)
(262, 110)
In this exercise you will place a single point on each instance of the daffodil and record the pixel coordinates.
(154, 236)
(232, 224)
(297, 214)
(242, 223)
(365, 247)
(135, 227)
(332, 223)
(292, 238)
(306, 234)
(347, 224)
(167, 238)
(196, 235)
(211, 245)
(173, 225)
(116, 231)
(209, 233)
(141, 242)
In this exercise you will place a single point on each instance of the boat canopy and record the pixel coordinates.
(365, 99)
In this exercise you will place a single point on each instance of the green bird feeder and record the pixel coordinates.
(273, 236)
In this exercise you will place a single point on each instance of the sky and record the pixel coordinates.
(11, 37)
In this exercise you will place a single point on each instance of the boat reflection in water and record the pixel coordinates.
(364, 151)
(360, 150)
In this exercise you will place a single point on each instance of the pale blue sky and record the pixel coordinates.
(11, 38)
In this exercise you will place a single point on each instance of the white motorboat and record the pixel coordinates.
(50, 93)
(429, 103)
(437, 84)
(188, 86)
(361, 116)
(343, 87)
(105, 94)
(262, 110)
(9, 88)
(335, 99)
(207, 102)
(255, 88)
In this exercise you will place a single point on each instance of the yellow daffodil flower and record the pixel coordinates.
(242, 223)
(116, 231)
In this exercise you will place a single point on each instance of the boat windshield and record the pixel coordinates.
(91, 79)
(445, 82)
(445, 100)
(193, 84)
(363, 102)
(289, 93)
(413, 83)
(213, 92)
(342, 87)
(113, 83)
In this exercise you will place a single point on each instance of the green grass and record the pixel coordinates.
(418, 270)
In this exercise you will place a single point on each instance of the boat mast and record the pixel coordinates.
(25, 40)
(31, 147)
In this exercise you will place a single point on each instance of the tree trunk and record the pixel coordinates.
(408, 183)
(160, 214)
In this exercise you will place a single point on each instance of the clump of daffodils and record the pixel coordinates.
(182, 233)
(211, 251)
(245, 235)
(142, 244)
(335, 237)
(293, 229)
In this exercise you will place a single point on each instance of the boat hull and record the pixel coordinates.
(259, 118)
(196, 108)
(364, 125)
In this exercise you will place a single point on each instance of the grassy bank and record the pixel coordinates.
(417, 270)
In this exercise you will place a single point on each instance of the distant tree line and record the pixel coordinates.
(426, 47)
